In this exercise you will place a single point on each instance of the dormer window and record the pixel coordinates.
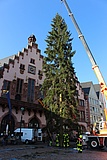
(40, 73)
(22, 66)
(32, 61)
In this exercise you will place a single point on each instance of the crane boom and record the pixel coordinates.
(88, 51)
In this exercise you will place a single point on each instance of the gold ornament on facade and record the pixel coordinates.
(21, 71)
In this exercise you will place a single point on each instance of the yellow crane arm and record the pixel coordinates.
(88, 51)
(100, 79)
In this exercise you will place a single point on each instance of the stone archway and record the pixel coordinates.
(7, 120)
(34, 123)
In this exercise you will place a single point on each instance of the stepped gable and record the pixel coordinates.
(6, 60)
(4, 63)
(31, 43)
(17, 57)
(21, 53)
(25, 50)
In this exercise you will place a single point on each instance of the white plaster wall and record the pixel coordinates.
(94, 114)
(26, 61)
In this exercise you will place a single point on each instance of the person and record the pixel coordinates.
(79, 144)
(44, 137)
(50, 142)
(65, 140)
(57, 140)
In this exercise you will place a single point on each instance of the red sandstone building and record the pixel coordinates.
(22, 76)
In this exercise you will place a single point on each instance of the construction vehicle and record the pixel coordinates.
(99, 135)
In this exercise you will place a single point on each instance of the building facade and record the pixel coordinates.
(83, 109)
(21, 78)
(96, 100)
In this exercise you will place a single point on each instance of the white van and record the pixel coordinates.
(27, 134)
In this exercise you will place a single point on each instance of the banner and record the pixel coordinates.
(9, 103)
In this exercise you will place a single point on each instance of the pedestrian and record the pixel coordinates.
(79, 144)
(3, 140)
(67, 140)
(44, 137)
(57, 140)
(50, 142)
(64, 140)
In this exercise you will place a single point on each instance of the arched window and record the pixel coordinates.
(7, 120)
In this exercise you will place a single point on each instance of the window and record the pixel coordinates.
(89, 100)
(77, 92)
(40, 72)
(32, 61)
(6, 85)
(90, 109)
(31, 90)
(82, 116)
(93, 109)
(19, 85)
(22, 66)
(81, 102)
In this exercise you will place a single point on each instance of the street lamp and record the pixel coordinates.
(22, 109)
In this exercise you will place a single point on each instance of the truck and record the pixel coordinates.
(98, 138)
(29, 135)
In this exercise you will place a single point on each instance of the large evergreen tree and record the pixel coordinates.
(60, 82)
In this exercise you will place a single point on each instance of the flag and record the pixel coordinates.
(9, 103)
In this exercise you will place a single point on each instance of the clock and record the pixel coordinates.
(31, 69)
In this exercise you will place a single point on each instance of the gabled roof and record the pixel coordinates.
(6, 60)
(97, 88)
(87, 85)
(86, 90)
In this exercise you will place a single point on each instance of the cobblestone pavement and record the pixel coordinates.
(43, 152)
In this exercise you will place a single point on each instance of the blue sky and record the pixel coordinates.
(21, 18)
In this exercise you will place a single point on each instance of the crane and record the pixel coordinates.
(88, 51)
(99, 138)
